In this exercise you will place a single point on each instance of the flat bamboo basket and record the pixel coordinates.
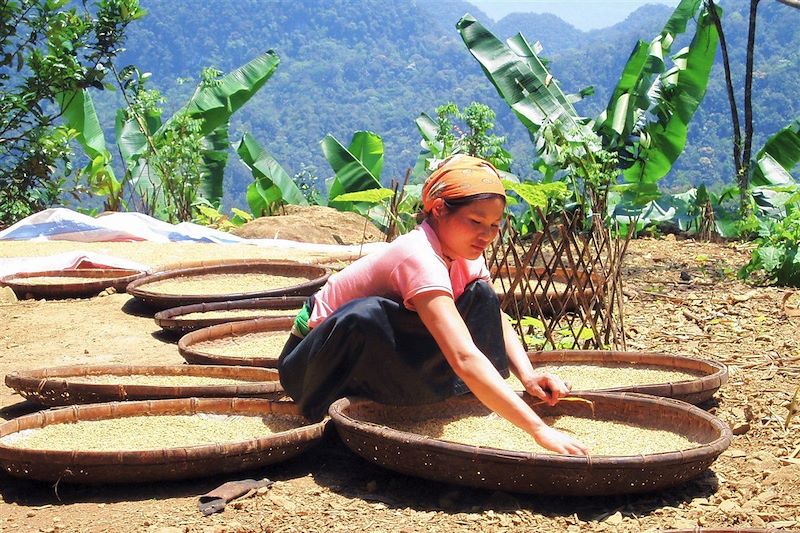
(712, 375)
(121, 466)
(555, 289)
(363, 426)
(187, 345)
(314, 277)
(77, 283)
(175, 319)
(61, 385)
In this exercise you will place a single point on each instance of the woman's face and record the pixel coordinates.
(469, 229)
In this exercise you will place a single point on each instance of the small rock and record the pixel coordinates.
(7, 295)
(614, 520)
(30, 514)
(740, 428)
(734, 453)
(262, 490)
(729, 506)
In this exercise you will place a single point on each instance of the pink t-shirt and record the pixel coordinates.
(412, 264)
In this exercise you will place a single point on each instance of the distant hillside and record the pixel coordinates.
(348, 65)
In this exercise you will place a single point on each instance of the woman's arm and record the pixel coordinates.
(545, 386)
(439, 314)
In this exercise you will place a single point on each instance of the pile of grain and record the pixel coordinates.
(216, 284)
(157, 380)
(593, 376)
(266, 344)
(237, 313)
(603, 437)
(151, 432)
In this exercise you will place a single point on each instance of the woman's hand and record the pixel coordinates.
(547, 387)
(559, 442)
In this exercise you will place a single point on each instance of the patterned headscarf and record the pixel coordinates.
(458, 177)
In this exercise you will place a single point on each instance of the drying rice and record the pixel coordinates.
(156, 380)
(151, 432)
(237, 313)
(217, 284)
(594, 376)
(603, 437)
(58, 280)
(268, 344)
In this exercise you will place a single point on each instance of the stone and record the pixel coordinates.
(7, 295)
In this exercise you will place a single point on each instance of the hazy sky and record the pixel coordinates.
(583, 14)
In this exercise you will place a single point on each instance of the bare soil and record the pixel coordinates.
(755, 483)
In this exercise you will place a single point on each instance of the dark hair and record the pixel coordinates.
(454, 204)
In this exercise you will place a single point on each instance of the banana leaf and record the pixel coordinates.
(356, 168)
(780, 154)
(271, 182)
(215, 157)
(677, 96)
(215, 103)
(631, 98)
(523, 81)
(78, 113)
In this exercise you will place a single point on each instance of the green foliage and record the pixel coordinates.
(535, 339)
(208, 215)
(566, 142)
(170, 165)
(271, 186)
(49, 51)
(357, 167)
(776, 259)
(474, 139)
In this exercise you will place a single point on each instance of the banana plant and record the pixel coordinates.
(646, 119)
(774, 189)
(648, 116)
(271, 185)
(212, 104)
(356, 168)
(78, 113)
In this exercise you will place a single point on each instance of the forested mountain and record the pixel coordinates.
(350, 65)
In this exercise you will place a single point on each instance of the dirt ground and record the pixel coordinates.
(755, 483)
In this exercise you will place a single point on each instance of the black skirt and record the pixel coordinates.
(375, 347)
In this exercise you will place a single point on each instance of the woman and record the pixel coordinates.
(418, 321)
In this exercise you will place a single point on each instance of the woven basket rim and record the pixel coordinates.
(715, 374)
(180, 406)
(36, 383)
(82, 281)
(317, 274)
(170, 319)
(232, 329)
(439, 446)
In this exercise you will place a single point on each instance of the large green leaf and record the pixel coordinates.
(640, 77)
(215, 157)
(523, 81)
(676, 96)
(131, 141)
(272, 183)
(215, 103)
(354, 171)
(780, 154)
(78, 113)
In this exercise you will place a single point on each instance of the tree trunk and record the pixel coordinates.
(737, 132)
(748, 100)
